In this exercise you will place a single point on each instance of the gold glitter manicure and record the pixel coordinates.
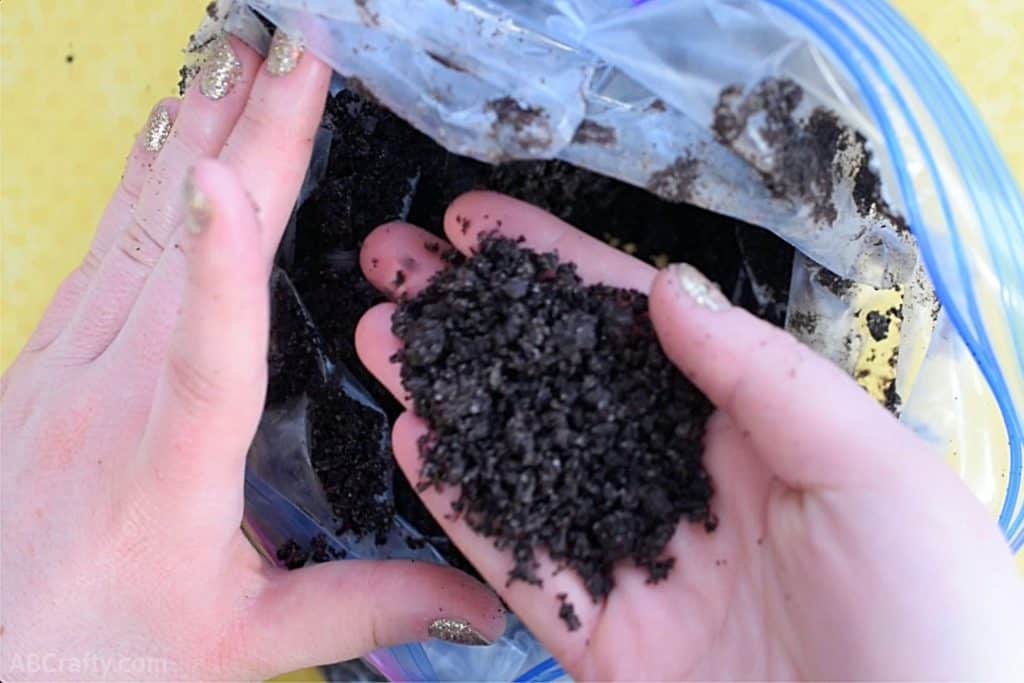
(284, 54)
(158, 129)
(221, 71)
(197, 208)
(698, 288)
(456, 631)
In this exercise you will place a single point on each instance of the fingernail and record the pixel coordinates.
(197, 208)
(284, 54)
(456, 631)
(221, 71)
(158, 129)
(698, 288)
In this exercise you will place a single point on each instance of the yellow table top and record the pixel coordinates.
(78, 77)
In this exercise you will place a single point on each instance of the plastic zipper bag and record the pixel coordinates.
(829, 123)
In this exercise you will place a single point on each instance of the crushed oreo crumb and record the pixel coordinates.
(567, 613)
(675, 183)
(292, 555)
(593, 133)
(554, 410)
(878, 325)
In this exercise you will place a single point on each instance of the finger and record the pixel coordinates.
(811, 423)
(270, 147)
(205, 118)
(399, 259)
(269, 150)
(141, 164)
(342, 610)
(115, 217)
(210, 392)
(477, 213)
(537, 606)
(376, 345)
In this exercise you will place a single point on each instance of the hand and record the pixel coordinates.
(127, 418)
(845, 549)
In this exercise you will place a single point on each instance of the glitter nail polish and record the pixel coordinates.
(456, 631)
(284, 54)
(698, 288)
(221, 72)
(158, 129)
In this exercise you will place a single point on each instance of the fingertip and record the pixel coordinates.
(399, 259)
(369, 330)
(405, 438)
(221, 230)
(376, 345)
(473, 214)
(665, 316)
(467, 599)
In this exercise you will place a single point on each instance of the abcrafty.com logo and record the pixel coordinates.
(89, 665)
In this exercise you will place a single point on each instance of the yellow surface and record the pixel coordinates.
(66, 126)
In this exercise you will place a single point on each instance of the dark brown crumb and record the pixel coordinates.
(833, 283)
(803, 323)
(528, 128)
(369, 18)
(893, 401)
(211, 10)
(802, 162)
(414, 543)
(432, 247)
(675, 183)
(554, 411)
(69, 58)
(374, 262)
(321, 551)
(593, 133)
(445, 62)
(465, 224)
(567, 613)
(291, 555)
(878, 325)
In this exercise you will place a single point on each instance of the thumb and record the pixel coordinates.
(336, 611)
(810, 422)
(210, 392)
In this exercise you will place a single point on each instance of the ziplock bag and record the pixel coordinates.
(829, 123)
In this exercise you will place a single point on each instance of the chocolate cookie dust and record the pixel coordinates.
(675, 183)
(294, 555)
(802, 163)
(553, 409)
(878, 325)
(381, 169)
(528, 128)
(345, 437)
(567, 613)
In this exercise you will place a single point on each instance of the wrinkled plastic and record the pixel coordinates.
(634, 90)
(517, 80)
(286, 503)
